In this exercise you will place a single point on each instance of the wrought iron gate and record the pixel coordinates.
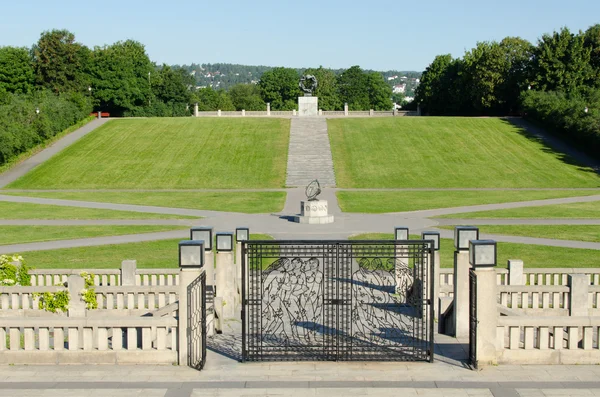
(473, 318)
(337, 300)
(196, 316)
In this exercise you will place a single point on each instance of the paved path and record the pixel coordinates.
(516, 221)
(37, 159)
(309, 155)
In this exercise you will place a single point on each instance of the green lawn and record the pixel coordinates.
(9, 210)
(590, 210)
(247, 202)
(532, 255)
(32, 234)
(149, 254)
(589, 233)
(389, 201)
(445, 152)
(161, 153)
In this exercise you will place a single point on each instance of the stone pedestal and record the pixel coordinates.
(461, 294)
(308, 106)
(314, 212)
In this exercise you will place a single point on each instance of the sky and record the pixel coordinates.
(382, 35)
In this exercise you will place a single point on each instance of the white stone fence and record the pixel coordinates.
(294, 113)
(548, 340)
(106, 340)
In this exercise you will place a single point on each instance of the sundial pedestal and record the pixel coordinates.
(314, 212)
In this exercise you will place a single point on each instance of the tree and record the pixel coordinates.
(247, 97)
(60, 63)
(16, 70)
(279, 87)
(121, 76)
(434, 92)
(353, 88)
(171, 85)
(561, 62)
(211, 100)
(592, 42)
(380, 94)
(327, 90)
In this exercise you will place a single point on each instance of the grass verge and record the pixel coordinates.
(532, 255)
(446, 152)
(177, 153)
(246, 202)
(589, 233)
(382, 202)
(32, 234)
(589, 210)
(10, 210)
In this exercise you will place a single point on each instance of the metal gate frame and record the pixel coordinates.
(196, 324)
(473, 318)
(337, 256)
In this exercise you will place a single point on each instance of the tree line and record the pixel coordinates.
(555, 82)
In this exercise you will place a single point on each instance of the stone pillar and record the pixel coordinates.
(487, 315)
(99, 114)
(76, 304)
(395, 111)
(515, 272)
(461, 294)
(209, 267)
(578, 300)
(436, 284)
(293, 112)
(225, 282)
(128, 270)
(186, 277)
(268, 108)
(219, 112)
(244, 112)
(345, 109)
(371, 112)
(196, 109)
(320, 112)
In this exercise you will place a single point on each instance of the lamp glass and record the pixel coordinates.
(464, 234)
(401, 233)
(204, 235)
(241, 234)
(482, 253)
(435, 236)
(191, 253)
(224, 241)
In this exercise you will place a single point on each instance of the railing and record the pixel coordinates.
(52, 277)
(22, 298)
(101, 340)
(548, 340)
(559, 276)
(157, 277)
(135, 297)
(535, 297)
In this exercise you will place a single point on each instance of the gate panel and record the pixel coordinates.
(341, 300)
(196, 331)
(473, 318)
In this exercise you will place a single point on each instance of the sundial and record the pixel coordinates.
(313, 190)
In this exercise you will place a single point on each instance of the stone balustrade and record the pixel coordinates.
(136, 297)
(51, 277)
(22, 299)
(117, 340)
(536, 298)
(157, 277)
(548, 340)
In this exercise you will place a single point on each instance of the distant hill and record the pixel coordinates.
(226, 75)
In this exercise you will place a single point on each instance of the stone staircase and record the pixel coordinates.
(309, 155)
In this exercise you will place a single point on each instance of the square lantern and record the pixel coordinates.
(203, 233)
(191, 254)
(242, 234)
(400, 233)
(482, 253)
(435, 236)
(224, 241)
(462, 236)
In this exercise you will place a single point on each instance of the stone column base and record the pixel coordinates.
(314, 220)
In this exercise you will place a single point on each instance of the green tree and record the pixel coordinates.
(327, 90)
(561, 62)
(436, 93)
(60, 63)
(279, 87)
(121, 76)
(210, 100)
(172, 85)
(246, 96)
(380, 93)
(353, 88)
(592, 42)
(16, 70)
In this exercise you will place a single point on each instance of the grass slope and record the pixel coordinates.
(446, 152)
(589, 233)
(247, 202)
(32, 234)
(9, 210)
(148, 254)
(386, 201)
(532, 255)
(590, 210)
(181, 153)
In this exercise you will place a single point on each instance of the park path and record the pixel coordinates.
(309, 154)
(21, 169)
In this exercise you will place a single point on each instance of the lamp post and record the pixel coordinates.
(482, 253)
(400, 233)
(404, 279)
(225, 301)
(462, 236)
(205, 234)
(191, 254)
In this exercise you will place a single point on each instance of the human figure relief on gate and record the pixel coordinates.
(291, 304)
(376, 314)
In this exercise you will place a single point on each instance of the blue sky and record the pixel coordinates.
(375, 35)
